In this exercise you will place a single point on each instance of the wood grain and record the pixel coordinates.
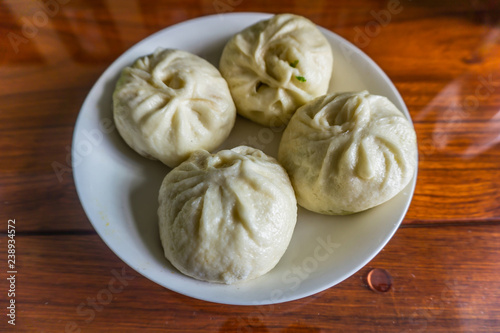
(445, 279)
(444, 58)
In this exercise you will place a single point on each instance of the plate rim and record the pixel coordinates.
(254, 16)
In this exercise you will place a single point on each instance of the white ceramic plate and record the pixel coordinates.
(119, 189)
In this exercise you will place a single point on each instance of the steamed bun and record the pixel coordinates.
(348, 152)
(275, 66)
(226, 217)
(171, 103)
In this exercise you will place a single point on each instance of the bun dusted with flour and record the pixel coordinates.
(348, 152)
(275, 66)
(172, 103)
(226, 217)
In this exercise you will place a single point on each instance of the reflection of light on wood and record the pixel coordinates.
(487, 141)
(157, 15)
(462, 122)
(43, 35)
(486, 48)
(455, 112)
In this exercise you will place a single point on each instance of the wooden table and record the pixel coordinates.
(444, 57)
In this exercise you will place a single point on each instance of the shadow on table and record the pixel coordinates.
(147, 179)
